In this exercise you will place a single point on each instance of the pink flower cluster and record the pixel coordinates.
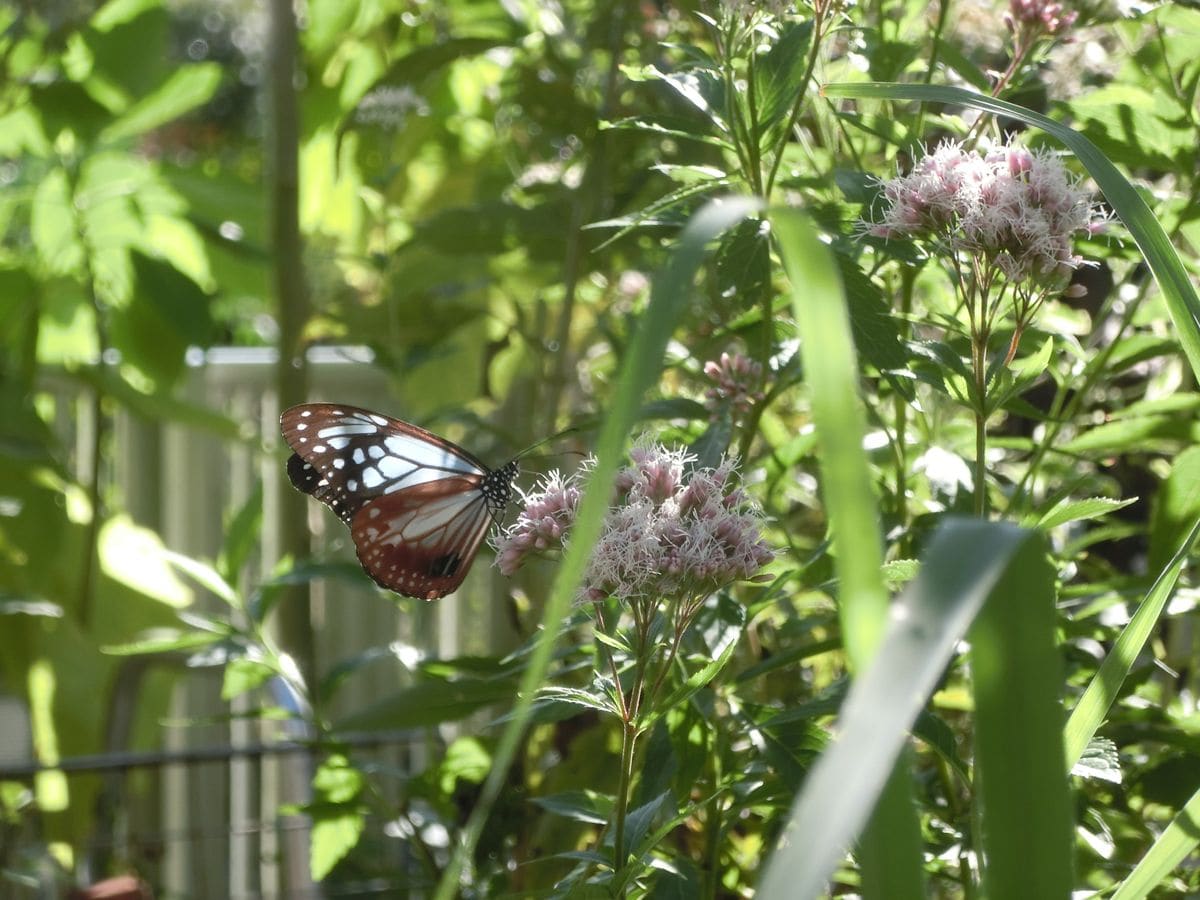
(737, 379)
(673, 531)
(1044, 16)
(1020, 209)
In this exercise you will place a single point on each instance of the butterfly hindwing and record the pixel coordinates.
(420, 541)
(417, 505)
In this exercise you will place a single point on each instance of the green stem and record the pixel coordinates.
(620, 853)
(908, 278)
(979, 362)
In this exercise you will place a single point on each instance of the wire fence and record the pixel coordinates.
(196, 814)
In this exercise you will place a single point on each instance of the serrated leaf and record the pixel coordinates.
(574, 696)
(699, 87)
(1100, 761)
(899, 572)
(334, 834)
(466, 760)
(660, 126)
(779, 74)
(1080, 510)
(639, 821)
(690, 174)
(337, 781)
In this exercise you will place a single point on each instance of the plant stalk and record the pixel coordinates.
(620, 853)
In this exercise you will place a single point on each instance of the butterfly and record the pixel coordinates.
(418, 506)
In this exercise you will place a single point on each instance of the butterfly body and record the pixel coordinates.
(418, 506)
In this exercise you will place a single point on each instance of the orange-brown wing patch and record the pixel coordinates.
(421, 541)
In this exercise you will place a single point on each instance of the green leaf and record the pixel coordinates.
(1126, 434)
(1177, 842)
(466, 760)
(673, 408)
(337, 780)
(136, 558)
(429, 703)
(965, 563)
(1103, 689)
(729, 630)
(779, 74)
(702, 88)
(169, 313)
(831, 373)
(1068, 510)
(575, 696)
(67, 106)
(581, 806)
(665, 126)
(164, 640)
(243, 675)
(1014, 380)
(204, 575)
(1176, 506)
(875, 329)
(334, 834)
(961, 65)
(241, 535)
(890, 847)
(640, 820)
(1128, 204)
(1100, 761)
(53, 227)
(160, 406)
(187, 87)
(1016, 675)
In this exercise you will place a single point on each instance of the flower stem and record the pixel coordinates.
(620, 854)
(979, 363)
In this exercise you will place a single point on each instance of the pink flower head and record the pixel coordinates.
(1017, 208)
(673, 530)
(736, 380)
(1045, 16)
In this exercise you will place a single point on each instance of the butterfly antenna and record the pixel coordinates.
(546, 440)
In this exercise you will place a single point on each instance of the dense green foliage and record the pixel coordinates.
(982, 498)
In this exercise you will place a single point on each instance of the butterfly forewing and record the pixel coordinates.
(417, 505)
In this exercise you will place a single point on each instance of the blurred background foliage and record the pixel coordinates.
(484, 190)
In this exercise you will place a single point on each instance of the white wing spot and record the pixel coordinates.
(378, 420)
(392, 467)
(358, 456)
(351, 484)
(375, 451)
(339, 463)
(338, 443)
(371, 478)
(318, 448)
(305, 413)
(301, 426)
